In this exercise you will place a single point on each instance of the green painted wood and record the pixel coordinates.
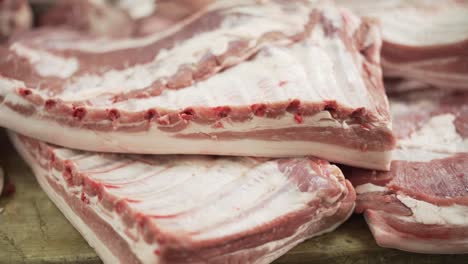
(32, 230)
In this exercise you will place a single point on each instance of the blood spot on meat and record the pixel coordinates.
(222, 111)
(330, 106)
(259, 109)
(157, 252)
(150, 114)
(113, 114)
(282, 83)
(24, 91)
(188, 114)
(84, 199)
(298, 118)
(79, 113)
(293, 106)
(67, 173)
(50, 103)
(218, 125)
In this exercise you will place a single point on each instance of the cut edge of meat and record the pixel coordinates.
(167, 144)
(163, 142)
(387, 236)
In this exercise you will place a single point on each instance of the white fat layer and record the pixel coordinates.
(47, 64)
(430, 214)
(190, 51)
(138, 8)
(438, 138)
(166, 143)
(369, 187)
(448, 20)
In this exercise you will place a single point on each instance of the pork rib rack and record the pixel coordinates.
(421, 204)
(190, 209)
(275, 79)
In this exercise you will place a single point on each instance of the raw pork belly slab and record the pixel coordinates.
(423, 40)
(15, 17)
(190, 209)
(421, 204)
(277, 79)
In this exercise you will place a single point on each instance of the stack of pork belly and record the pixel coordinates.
(420, 205)
(241, 106)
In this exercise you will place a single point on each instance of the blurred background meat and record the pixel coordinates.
(96, 17)
(15, 16)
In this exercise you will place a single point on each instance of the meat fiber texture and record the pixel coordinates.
(284, 78)
(423, 40)
(190, 209)
(15, 17)
(421, 204)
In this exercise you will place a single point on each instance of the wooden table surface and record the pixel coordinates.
(32, 230)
